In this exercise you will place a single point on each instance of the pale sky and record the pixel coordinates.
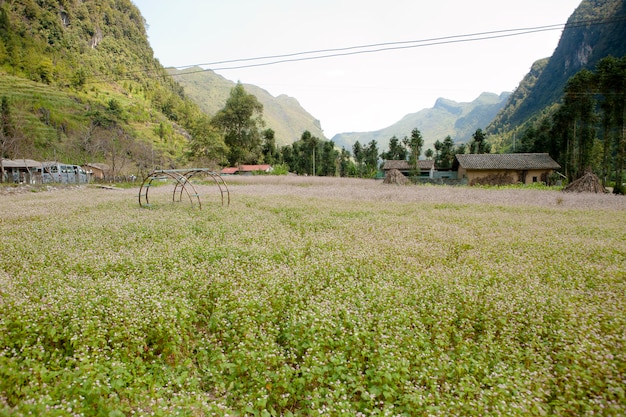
(362, 92)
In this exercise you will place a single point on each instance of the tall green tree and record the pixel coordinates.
(396, 152)
(206, 144)
(537, 139)
(414, 144)
(240, 123)
(611, 81)
(579, 110)
(366, 159)
(7, 138)
(370, 160)
(311, 143)
(344, 163)
(269, 150)
(330, 159)
(357, 152)
(445, 152)
(479, 144)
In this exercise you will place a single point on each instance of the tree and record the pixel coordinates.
(287, 157)
(366, 159)
(479, 144)
(579, 109)
(310, 143)
(6, 134)
(396, 152)
(206, 144)
(415, 145)
(311, 156)
(537, 139)
(269, 151)
(117, 147)
(612, 84)
(370, 159)
(330, 159)
(240, 122)
(357, 152)
(344, 163)
(444, 153)
(7, 137)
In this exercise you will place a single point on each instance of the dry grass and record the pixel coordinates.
(376, 191)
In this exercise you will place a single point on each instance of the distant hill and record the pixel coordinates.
(446, 117)
(595, 30)
(283, 114)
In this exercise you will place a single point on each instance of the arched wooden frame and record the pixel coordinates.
(182, 185)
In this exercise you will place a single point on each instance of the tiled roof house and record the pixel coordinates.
(525, 168)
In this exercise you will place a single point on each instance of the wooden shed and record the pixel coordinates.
(97, 171)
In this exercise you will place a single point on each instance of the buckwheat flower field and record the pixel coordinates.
(313, 297)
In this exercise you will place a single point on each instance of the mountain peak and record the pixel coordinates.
(448, 105)
(446, 117)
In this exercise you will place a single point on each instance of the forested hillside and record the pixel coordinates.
(595, 30)
(79, 83)
(572, 104)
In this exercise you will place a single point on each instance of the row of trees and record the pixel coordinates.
(588, 130)
(236, 131)
(235, 135)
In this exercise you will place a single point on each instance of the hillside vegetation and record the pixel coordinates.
(595, 30)
(81, 84)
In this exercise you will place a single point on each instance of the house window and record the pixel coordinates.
(534, 179)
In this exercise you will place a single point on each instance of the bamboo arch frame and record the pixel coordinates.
(182, 185)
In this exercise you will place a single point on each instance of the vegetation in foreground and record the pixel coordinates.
(313, 297)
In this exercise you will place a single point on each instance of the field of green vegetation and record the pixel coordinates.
(313, 297)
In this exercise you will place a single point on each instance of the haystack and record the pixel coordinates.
(588, 183)
(393, 176)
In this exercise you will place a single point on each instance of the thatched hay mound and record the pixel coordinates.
(588, 183)
(393, 176)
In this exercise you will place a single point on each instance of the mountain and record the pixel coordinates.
(79, 83)
(595, 30)
(283, 114)
(446, 117)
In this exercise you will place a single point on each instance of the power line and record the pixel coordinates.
(389, 46)
(380, 47)
(398, 46)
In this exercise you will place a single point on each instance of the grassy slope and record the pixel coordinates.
(40, 112)
(55, 116)
(313, 296)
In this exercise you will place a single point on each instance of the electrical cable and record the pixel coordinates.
(376, 48)
(389, 46)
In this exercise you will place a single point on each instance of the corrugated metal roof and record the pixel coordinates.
(253, 168)
(20, 163)
(513, 161)
(229, 170)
